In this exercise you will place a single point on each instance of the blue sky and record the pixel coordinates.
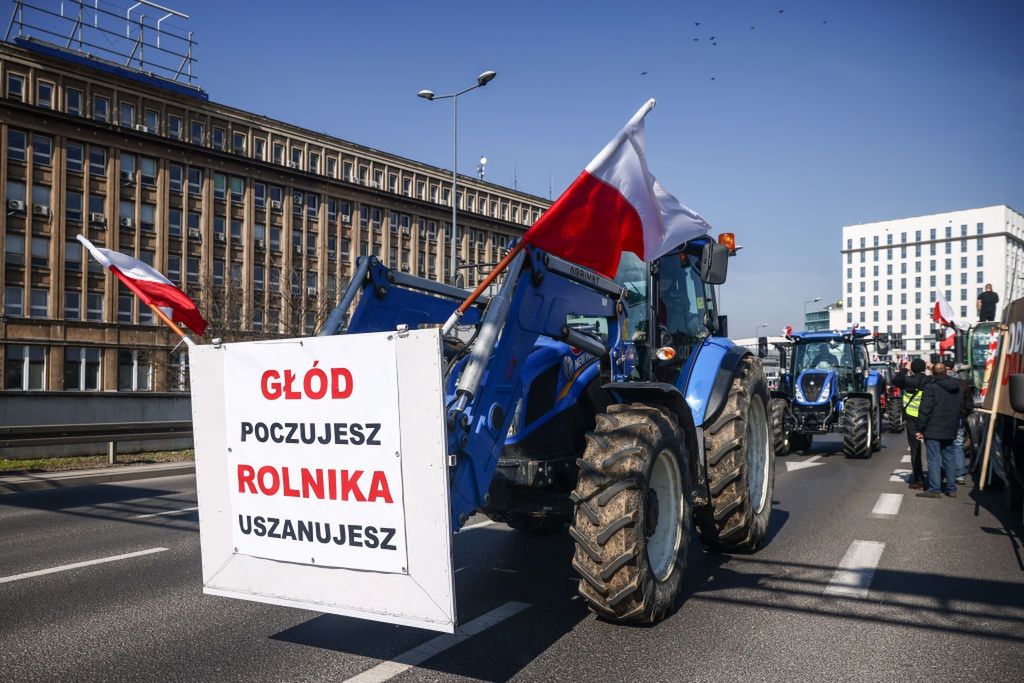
(890, 109)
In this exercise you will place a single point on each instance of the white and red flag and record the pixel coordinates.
(942, 312)
(149, 285)
(616, 205)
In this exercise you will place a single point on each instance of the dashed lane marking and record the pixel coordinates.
(857, 568)
(435, 646)
(905, 458)
(899, 475)
(76, 565)
(168, 512)
(888, 505)
(803, 464)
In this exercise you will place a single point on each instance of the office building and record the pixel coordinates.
(259, 220)
(893, 269)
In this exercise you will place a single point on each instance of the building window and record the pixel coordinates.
(75, 156)
(258, 278)
(332, 167)
(40, 252)
(177, 376)
(82, 368)
(94, 306)
(981, 277)
(42, 150)
(236, 231)
(220, 186)
(259, 148)
(314, 162)
(218, 272)
(237, 189)
(44, 94)
(174, 222)
(73, 207)
(981, 228)
(125, 308)
(97, 161)
(15, 191)
(192, 273)
(174, 127)
(134, 372)
(152, 117)
(14, 301)
(101, 108)
(72, 305)
(174, 172)
(147, 167)
(981, 261)
(259, 194)
(25, 368)
(296, 157)
(278, 153)
(219, 137)
(238, 143)
(195, 180)
(147, 216)
(17, 140)
(198, 133)
(126, 114)
(174, 268)
(16, 86)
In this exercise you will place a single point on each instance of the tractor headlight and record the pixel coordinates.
(800, 394)
(826, 391)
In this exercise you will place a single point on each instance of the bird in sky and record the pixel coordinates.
(713, 44)
(712, 78)
(711, 38)
(781, 11)
(696, 23)
(643, 73)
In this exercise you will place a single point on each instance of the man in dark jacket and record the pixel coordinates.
(966, 408)
(937, 425)
(911, 388)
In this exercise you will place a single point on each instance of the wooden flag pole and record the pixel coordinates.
(994, 415)
(171, 324)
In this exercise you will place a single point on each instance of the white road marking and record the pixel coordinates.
(76, 565)
(435, 646)
(888, 505)
(803, 464)
(477, 525)
(167, 512)
(900, 475)
(857, 568)
(905, 458)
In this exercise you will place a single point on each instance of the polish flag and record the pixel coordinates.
(616, 205)
(942, 312)
(149, 285)
(948, 343)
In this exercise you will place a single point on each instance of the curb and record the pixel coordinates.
(23, 483)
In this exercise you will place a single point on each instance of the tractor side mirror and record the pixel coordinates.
(1017, 393)
(714, 263)
(883, 348)
(723, 325)
(762, 347)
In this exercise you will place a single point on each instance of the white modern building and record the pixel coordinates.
(893, 269)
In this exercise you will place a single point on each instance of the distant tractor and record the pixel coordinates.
(892, 401)
(828, 386)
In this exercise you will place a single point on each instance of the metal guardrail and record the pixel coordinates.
(111, 433)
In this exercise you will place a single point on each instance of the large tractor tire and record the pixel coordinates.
(777, 417)
(632, 523)
(894, 415)
(858, 425)
(741, 467)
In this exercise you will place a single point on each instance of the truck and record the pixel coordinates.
(615, 409)
(828, 386)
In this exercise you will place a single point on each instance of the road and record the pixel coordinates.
(946, 600)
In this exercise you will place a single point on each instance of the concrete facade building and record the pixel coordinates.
(893, 269)
(259, 220)
(831, 317)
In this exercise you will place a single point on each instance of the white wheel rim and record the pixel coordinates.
(871, 421)
(663, 543)
(757, 455)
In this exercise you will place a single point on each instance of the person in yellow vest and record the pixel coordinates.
(911, 386)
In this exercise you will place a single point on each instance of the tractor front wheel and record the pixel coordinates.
(632, 523)
(858, 423)
(741, 467)
(894, 415)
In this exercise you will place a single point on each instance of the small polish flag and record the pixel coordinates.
(616, 205)
(149, 285)
(942, 312)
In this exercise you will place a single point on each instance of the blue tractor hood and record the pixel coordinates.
(815, 387)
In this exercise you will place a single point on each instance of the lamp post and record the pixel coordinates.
(809, 301)
(756, 329)
(481, 80)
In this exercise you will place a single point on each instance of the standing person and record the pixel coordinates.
(987, 301)
(966, 408)
(937, 424)
(911, 388)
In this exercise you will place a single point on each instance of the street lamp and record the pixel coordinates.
(481, 80)
(758, 328)
(810, 301)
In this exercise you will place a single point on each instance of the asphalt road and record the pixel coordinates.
(946, 601)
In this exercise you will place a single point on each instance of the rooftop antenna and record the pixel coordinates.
(481, 167)
(551, 186)
(515, 173)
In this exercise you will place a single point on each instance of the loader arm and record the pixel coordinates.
(539, 293)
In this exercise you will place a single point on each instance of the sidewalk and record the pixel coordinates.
(20, 483)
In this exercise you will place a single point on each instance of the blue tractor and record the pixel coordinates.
(616, 407)
(828, 385)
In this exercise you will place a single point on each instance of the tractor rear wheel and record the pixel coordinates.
(777, 416)
(858, 439)
(632, 523)
(894, 415)
(798, 441)
(741, 467)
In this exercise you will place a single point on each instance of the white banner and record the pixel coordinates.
(314, 453)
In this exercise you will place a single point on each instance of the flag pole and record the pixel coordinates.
(996, 397)
(502, 265)
(171, 324)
